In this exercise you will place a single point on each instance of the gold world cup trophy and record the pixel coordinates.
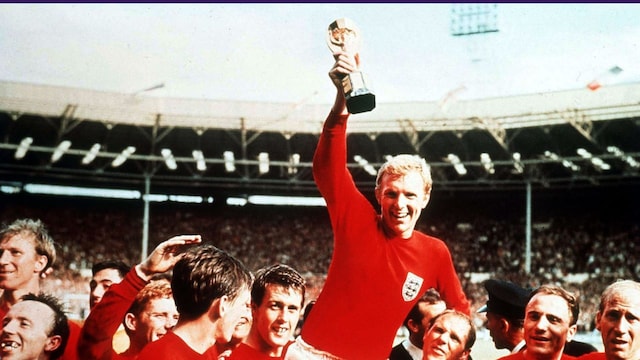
(343, 34)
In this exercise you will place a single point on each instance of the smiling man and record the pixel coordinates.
(380, 264)
(145, 307)
(548, 324)
(618, 320)
(35, 328)
(277, 297)
(27, 252)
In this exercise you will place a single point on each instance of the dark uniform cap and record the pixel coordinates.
(506, 299)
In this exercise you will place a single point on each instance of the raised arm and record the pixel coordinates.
(97, 333)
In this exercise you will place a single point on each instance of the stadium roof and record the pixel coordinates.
(566, 137)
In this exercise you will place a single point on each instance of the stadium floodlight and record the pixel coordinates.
(626, 158)
(485, 159)
(469, 19)
(365, 165)
(584, 153)
(263, 163)
(198, 156)
(169, 160)
(60, 150)
(457, 164)
(597, 162)
(123, 156)
(294, 161)
(565, 162)
(91, 155)
(22, 149)
(551, 155)
(518, 166)
(229, 164)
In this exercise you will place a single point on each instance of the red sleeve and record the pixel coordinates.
(105, 318)
(451, 289)
(330, 159)
(71, 349)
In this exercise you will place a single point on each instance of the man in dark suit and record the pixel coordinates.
(417, 321)
(505, 314)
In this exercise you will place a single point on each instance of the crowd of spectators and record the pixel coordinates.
(598, 249)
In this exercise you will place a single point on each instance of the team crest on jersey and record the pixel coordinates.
(411, 286)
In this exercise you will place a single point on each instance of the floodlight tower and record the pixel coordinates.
(470, 19)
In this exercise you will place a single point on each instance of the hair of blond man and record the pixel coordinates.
(403, 164)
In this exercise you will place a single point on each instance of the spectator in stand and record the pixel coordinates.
(450, 337)
(618, 320)
(505, 314)
(212, 293)
(146, 308)
(417, 322)
(36, 328)
(379, 261)
(27, 251)
(548, 324)
(277, 297)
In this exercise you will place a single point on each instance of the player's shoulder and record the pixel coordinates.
(429, 240)
(592, 356)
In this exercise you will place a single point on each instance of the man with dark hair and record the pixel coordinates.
(145, 307)
(105, 274)
(417, 322)
(212, 293)
(27, 252)
(277, 297)
(505, 314)
(35, 328)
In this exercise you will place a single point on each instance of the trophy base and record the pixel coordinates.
(361, 103)
(359, 98)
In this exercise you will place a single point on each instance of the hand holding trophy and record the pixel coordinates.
(343, 34)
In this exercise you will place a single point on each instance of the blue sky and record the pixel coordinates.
(278, 52)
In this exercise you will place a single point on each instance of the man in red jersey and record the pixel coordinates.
(27, 252)
(380, 265)
(277, 297)
(34, 328)
(549, 324)
(618, 320)
(147, 309)
(212, 293)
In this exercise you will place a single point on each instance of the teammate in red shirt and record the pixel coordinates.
(380, 265)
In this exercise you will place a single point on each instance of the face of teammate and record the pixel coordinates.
(401, 200)
(25, 334)
(20, 264)
(428, 311)
(234, 311)
(619, 324)
(159, 317)
(276, 318)
(100, 283)
(446, 339)
(547, 325)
